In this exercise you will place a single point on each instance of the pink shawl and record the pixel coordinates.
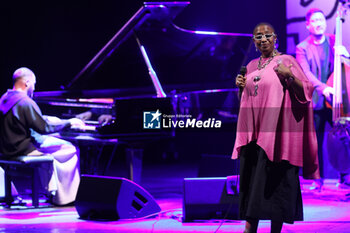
(276, 119)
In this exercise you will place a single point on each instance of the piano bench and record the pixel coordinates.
(23, 166)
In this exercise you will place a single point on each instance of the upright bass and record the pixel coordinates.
(338, 143)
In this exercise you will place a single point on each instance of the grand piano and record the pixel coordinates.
(175, 70)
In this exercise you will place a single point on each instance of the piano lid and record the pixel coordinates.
(184, 60)
(160, 13)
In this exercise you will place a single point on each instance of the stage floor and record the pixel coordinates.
(327, 210)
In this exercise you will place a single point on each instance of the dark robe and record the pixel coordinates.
(21, 123)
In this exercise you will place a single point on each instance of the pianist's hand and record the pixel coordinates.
(52, 119)
(76, 123)
(84, 116)
(104, 119)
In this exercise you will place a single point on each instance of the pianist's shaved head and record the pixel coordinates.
(24, 80)
(23, 73)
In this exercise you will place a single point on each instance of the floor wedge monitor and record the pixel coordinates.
(112, 198)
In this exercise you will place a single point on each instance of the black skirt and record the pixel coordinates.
(268, 190)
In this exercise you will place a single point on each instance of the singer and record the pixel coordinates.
(275, 135)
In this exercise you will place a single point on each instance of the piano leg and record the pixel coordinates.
(111, 157)
(134, 159)
(92, 157)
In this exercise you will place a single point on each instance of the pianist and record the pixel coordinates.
(22, 132)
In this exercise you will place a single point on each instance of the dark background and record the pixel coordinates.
(56, 39)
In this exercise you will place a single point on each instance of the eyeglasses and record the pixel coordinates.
(267, 36)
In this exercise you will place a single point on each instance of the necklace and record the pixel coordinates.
(262, 67)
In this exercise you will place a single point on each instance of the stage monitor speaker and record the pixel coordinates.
(113, 198)
(207, 198)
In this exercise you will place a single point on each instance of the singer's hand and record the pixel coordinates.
(241, 81)
(283, 71)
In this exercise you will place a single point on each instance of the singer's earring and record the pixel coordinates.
(276, 44)
(256, 49)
